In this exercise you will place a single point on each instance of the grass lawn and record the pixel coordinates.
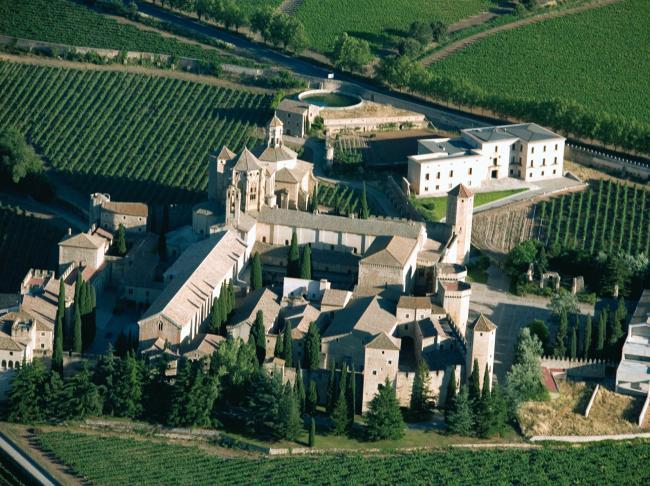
(435, 208)
(477, 275)
(591, 58)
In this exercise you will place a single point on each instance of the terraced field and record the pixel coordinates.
(596, 58)
(25, 242)
(69, 22)
(372, 19)
(111, 460)
(138, 137)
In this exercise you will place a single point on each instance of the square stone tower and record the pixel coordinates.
(460, 205)
(481, 336)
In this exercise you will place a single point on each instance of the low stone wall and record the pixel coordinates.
(609, 163)
(577, 368)
(588, 438)
(594, 394)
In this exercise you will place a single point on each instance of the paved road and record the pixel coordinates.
(510, 313)
(29, 466)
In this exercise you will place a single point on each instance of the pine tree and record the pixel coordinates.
(305, 263)
(105, 377)
(474, 388)
(256, 272)
(560, 337)
(300, 391)
(460, 418)
(602, 330)
(312, 398)
(384, 418)
(365, 213)
(451, 391)
(586, 344)
(293, 263)
(420, 392)
(289, 414)
(84, 398)
(351, 394)
(258, 337)
(312, 432)
(574, 342)
(77, 337)
(26, 393)
(215, 316)
(331, 388)
(312, 348)
(499, 409)
(55, 397)
(287, 345)
(120, 242)
(128, 388)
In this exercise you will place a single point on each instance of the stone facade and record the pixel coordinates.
(110, 215)
(480, 347)
(381, 362)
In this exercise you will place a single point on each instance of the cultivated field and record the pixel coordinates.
(342, 200)
(111, 460)
(608, 216)
(25, 241)
(374, 19)
(69, 22)
(591, 58)
(138, 137)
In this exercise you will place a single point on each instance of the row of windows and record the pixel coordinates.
(451, 174)
(10, 364)
(521, 148)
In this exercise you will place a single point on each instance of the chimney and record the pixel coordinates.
(69, 231)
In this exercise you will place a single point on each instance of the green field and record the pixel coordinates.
(435, 208)
(373, 19)
(606, 217)
(25, 242)
(110, 460)
(68, 22)
(138, 137)
(598, 58)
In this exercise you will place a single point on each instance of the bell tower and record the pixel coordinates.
(276, 130)
(460, 205)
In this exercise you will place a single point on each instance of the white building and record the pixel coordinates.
(633, 373)
(525, 151)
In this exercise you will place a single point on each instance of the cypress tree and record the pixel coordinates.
(499, 408)
(312, 398)
(602, 330)
(420, 392)
(231, 296)
(460, 418)
(384, 418)
(256, 272)
(77, 338)
(586, 345)
(312, 431)
(57, 352)
(223, 307)
(340, 419)
(560, 337)
(451, 390)
(574, 342)
(287, 345)
(258, 337)
(128, 388)
(60, 310)
(300, 390)
(315, 200)
(474, 391)
(312, 348)
(331, 388)
(293, 262)
(278, 351)
(305, 263)
(484, 418)
(215, 316)
(365, 214)
(120, 243)
(351, 394)
(289, 414)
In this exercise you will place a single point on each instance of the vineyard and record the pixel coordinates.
(343, 200)
(108, 460)
(138, 137)
(591, 58)
(608, 217)
(25, 242)
(374, 19)
(69, 22)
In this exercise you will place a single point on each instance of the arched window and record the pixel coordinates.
(17, 365)
(4, 363)
(160, 326)
(11, 364)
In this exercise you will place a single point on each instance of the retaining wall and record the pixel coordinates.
(578, 368)
(610, 163)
